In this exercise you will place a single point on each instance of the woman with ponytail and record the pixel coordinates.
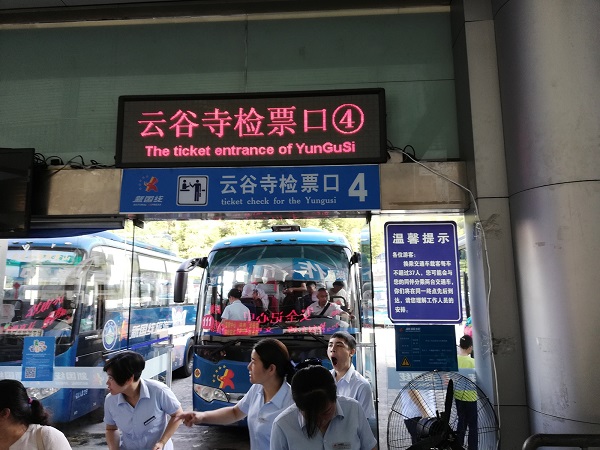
(24, 421)
(320, 419)
(270, 372)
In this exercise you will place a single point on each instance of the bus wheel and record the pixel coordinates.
(188, 365)
(97, 415)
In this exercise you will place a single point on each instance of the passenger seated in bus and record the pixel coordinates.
(338, 294)
(295, 285)
(236, 310)
(323, 307)
(248, 300)
(294, 289)
(261, 300)
(17, 292)
(310, 296)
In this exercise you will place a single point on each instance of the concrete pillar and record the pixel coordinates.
(493, 294)
(549, 72)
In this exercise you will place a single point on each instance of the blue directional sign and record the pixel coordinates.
(426, 347)
(250, 189)
(423, 274)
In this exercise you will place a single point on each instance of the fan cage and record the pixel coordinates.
(425, 396)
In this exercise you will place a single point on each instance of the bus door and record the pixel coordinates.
(88, 323)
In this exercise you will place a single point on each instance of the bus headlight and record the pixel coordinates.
(209, 394)
(41, 393)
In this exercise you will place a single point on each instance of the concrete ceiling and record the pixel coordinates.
(32, 12)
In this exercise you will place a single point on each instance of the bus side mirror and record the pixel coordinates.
(355, 258)
(180, 286)
(181, 276)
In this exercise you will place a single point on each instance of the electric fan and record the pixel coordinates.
(442, 411)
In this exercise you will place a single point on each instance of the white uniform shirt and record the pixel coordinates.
(264, 298)
(141, 427)
(236, 311)
(341, 293)
(315, 309)
(261, 415)
(354, 385)
(52, 438)
(348, 430)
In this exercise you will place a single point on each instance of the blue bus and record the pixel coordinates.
(278, 264)
(96, 294)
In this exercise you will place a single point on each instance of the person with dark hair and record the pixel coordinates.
(138, 408)
(24, 423)
(236, 310)
(270, 366)
(247, 299)
(320, 419)
(323, 307)
(466, 400)
(294, 289)
(261, 299)
(338, 294)
(310, 296)
(340, 350)
(465, 349)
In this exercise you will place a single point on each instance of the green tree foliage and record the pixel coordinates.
(193, 238)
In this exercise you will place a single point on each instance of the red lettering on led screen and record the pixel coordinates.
(282, 120)
(183, 125)
(216, 121)
(248, 124)
(335, 127)
(344, 119)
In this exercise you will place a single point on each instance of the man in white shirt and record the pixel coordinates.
(322, 307)
(235, 310)
(310, 296)
(339, 295)
(350, 383)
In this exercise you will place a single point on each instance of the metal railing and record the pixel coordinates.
(583, 441)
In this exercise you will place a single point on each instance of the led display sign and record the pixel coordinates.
(283, 129)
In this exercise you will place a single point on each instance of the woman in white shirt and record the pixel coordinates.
(269, 395)
(24, 421)
(319, 419)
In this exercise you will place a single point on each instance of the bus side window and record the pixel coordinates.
(92, 303)
(118, 283)
(87, 321)
(153, 277)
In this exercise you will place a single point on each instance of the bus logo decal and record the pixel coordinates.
(225, 380)
(151, 184)
(109, 335)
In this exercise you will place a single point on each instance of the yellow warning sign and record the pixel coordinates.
(406, 362)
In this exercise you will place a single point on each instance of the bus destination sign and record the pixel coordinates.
(258, 129)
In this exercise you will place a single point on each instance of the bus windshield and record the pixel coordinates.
(277, 276)
(38, 301)
(299, 286)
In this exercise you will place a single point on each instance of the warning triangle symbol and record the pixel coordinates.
(405, 362)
